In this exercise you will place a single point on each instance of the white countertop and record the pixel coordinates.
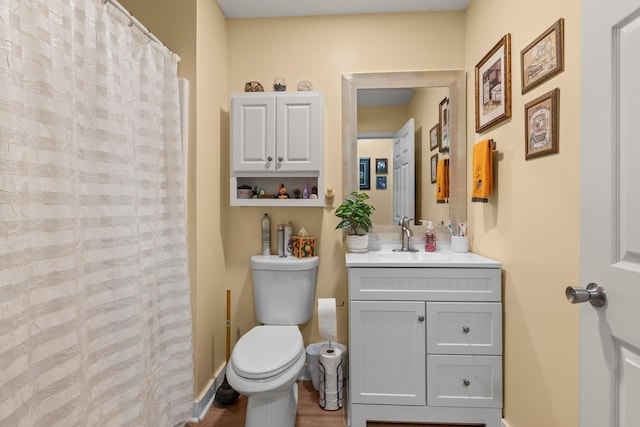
(443, 258)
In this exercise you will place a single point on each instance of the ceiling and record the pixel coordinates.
(383, 97)
(278, 8)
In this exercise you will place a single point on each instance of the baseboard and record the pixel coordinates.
(200, 407)
(504, 423)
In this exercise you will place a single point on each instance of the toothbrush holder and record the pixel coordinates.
(460, 243)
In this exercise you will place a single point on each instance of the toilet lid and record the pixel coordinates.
(267, 350)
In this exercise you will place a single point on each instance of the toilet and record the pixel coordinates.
(267, 360)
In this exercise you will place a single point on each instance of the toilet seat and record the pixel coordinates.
(266, 351)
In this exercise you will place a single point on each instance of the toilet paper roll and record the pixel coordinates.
(331, 375)
(327, 318)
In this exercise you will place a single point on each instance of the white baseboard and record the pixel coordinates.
(200, 407)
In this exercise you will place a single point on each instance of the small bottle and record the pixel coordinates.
(281, 241)
(288, 233)
(266, 235)
(305, 192)
(430, 238)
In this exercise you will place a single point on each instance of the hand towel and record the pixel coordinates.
(482, 170)
(442, 181)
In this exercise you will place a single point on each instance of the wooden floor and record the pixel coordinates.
(310, 414)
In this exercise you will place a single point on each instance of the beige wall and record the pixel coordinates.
(320, 49)
(531, 221)
(380, 199)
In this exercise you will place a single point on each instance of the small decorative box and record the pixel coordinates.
(303, 247)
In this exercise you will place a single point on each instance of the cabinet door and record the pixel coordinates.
(387, 352)
(299, 132)
(253, 133)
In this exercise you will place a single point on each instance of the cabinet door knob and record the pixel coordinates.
(466, 382)
(421, 318)
(465, 329)
(269, 159)
(280, 159)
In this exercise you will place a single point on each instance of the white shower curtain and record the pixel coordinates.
(95, 318)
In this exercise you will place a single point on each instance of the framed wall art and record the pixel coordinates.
(443, 124)
(434, 141)
(541, 125)
(493, 85)
(365, 173)
(381, 165)
(543, 58)
(434, 168)
(381, 182)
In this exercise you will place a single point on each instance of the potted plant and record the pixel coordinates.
(355, 215)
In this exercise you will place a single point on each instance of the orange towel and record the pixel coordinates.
(442, 181)
(482, 170)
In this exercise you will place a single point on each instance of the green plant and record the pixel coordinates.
(355, 214)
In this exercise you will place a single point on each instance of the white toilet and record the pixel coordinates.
(267, 360)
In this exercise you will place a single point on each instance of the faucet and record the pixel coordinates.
(405, 235)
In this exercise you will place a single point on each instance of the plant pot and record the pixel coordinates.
(357, 243)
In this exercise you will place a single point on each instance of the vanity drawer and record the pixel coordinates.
(427, 284)
(464, 381)
(464, 328)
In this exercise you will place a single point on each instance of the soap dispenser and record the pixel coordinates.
(430, 238)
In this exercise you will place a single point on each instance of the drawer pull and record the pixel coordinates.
(466, 382)
(465, 329)
(421, 318)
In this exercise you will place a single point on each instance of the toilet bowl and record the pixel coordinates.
(264, 367)
(267, 360)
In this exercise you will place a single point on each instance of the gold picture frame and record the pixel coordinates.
(493, 85)
(543, 58)
(434, 137)
(541, 125)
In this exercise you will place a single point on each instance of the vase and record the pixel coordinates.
(357, 243)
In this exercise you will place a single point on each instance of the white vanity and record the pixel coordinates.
(425, 338)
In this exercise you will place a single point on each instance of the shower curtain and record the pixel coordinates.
(95, 317)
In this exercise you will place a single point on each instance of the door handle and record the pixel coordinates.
(594, 293)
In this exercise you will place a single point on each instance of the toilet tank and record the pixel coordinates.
(284, 289)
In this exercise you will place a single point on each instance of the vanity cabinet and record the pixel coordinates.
(426, 344)
(277, 137)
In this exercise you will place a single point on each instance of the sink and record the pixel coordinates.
(390, 256)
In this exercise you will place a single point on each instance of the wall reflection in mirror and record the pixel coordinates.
(382, 114)
(370, 129)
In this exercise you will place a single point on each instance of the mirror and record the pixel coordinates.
(454, 81)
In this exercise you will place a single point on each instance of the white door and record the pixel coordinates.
(404, 172)
(610, 213)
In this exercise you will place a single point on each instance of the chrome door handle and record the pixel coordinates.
(594, 293)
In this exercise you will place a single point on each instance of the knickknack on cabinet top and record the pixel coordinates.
(277, 139)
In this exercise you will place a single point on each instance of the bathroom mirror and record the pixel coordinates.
(455, 81)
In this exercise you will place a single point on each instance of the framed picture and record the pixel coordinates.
(381, 182)
(443, 124)
(541, 125)
(433, 137)
(365, 173)
(434, 168)
(381, 165)
(493, 86)
(543, 58)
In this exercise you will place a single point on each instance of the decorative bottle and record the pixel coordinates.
(266, 235)
(288, 233)
(430, 238)
(305, 192)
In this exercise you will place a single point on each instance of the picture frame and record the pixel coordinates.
(365, 173)
(381, 165)
(443, 124)
(493, 85)
(541, 125)
(543, 58)
(381, 182)
(434, 134)
(434, 168)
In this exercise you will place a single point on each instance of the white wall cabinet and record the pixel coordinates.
(277, 137)
(425, 345)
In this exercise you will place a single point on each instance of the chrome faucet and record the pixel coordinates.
(405, 235)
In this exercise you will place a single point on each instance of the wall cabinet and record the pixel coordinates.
(425, 345)
(277, 137)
